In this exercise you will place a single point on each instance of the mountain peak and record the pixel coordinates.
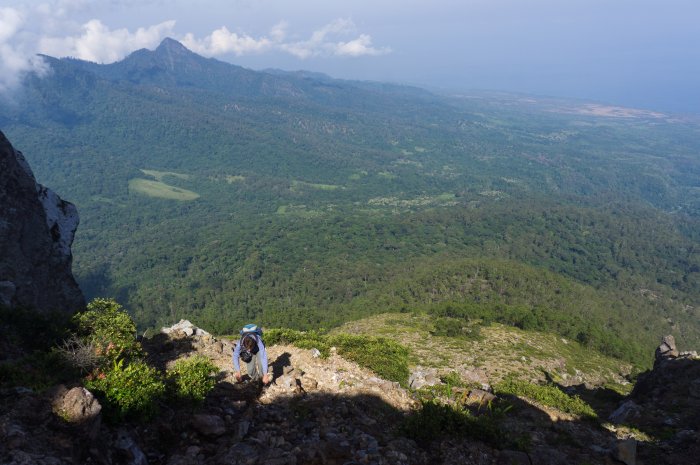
(169, 45)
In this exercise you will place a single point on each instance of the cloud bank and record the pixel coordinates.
(47, 28)
(324, 42)
(100, 44)
(16, 59)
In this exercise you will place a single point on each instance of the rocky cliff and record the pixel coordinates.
(36, 232)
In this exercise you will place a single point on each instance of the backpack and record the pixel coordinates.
(250, 330)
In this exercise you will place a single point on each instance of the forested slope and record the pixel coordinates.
(222, 194)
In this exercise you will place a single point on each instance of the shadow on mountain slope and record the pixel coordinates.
(330, 411)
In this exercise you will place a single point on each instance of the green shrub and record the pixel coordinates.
(435, 420)
(107, 325)
(193, 377)
(455, 327)
(130, 390)
(548, 395)
(452, 379)
(301, 339)
(385, 357)
(441, 390)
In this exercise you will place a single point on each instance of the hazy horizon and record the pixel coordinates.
(643, 54)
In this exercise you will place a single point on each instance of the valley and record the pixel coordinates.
(222, 195)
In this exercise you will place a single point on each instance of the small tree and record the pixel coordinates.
(107, 326)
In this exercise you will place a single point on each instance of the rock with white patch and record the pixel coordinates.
(36, 232)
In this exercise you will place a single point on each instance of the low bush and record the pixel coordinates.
(129, 390)
(435, 421)
(548, 395)
(193, 378)
(301, 339)
(385, 357)
(455, 327)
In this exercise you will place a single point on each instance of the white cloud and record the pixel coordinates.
(279, 31)
(15, 64)
(10, 21)
(100, 44)
(339, 26)
(15, 60)
(222, 42)
(358, 47)
(321, 42)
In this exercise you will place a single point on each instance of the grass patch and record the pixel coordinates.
(160, 190)
(446, 339)
(387, 358)
(298, 210)
(321, 187)
(547, 395)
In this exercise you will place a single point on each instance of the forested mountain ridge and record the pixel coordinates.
(222, 194)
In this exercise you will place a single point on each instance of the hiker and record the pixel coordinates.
(251, 349)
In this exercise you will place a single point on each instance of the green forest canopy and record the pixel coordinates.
(304, 202)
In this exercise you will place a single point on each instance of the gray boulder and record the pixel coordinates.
(78, 406)
(421, 377)
(667, 348)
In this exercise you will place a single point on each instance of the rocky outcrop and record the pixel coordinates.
(421, 377)
(665, 402)
(667, 349)
(36, 233)
(331, 411)
(316, 411)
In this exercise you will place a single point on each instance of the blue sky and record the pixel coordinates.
(640, 53)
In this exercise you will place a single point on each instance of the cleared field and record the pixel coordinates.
(160, 190)
(323, 187)
(444, 199)
(235, 178)
(299, 211)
